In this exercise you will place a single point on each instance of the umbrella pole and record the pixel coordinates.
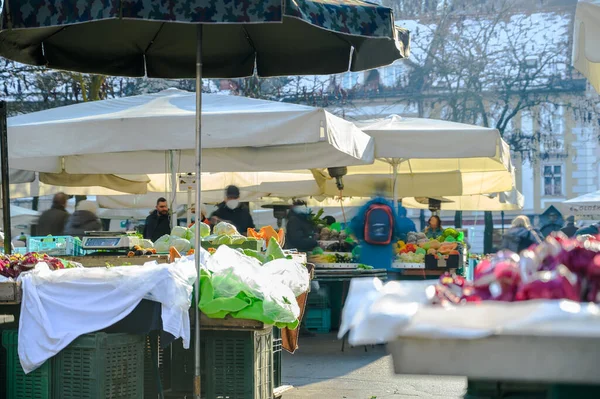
(198, 246)
(173, 188)
(396, 187)
(5, 181)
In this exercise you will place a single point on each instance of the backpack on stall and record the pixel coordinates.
(379, 224)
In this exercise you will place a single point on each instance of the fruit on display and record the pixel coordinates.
(332, 258)
(417, 247)
(414, 237)
(411, 257)
(138, 250)
(558, 268)
(13, 265)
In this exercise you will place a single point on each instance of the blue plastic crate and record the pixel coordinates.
(318, 320)
(56, 245)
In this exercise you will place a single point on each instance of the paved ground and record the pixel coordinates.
(320, 370)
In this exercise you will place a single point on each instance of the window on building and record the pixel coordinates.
(553, 180)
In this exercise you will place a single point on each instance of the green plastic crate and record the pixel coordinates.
(101, 366)
(277, 354)
(56, 245)
(234, 364)
(35, 385)
(255, 245)
(481, 389)
(155, 356)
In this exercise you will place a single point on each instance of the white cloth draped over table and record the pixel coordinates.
(59, 306)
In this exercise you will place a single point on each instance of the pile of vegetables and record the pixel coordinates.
(318, 256)
(13, 265)
(181, 238)
(418, 246)
(266, 233)
(558, 268)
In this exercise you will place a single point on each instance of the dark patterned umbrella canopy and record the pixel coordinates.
(157, 38)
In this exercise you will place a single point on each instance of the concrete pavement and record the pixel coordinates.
(320, 370)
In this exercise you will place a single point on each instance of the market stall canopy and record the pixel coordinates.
(586, 46)
(505, 201)
(586, 206)
(130, 135)
(431, 158)
(22, 216)
(45, 184)
(20, 176)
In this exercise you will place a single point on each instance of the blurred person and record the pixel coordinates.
(53, 221)
(203, 218)
(521, 235)
(83, 219)
(376, 229)
(405, 225)
(434, 227)
(231, 211)
(158, 223)
(592, 230)
(300, 229)
(570, 229)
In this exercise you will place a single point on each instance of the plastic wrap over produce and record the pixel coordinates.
(60, 305)
(377, 313)
(276, 283)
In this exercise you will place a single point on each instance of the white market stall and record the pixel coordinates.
(584, 207)
(129, 135)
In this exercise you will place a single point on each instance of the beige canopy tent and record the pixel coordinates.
(586, 46)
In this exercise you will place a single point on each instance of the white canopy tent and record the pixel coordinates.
(155, 134)
(424, 157)
(585, 207)
(586, 46)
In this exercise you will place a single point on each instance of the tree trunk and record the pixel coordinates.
(35, 203)
(458, 219)
(488, 234)
(422, 219)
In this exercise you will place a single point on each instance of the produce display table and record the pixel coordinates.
(528, 359)
(116, 260)
(332, 275)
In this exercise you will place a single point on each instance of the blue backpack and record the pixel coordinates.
(379, 223)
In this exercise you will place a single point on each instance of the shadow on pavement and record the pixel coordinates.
(320, 358)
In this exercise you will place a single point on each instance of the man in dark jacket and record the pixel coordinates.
(159, 222)
(83, 219)
(570, 229)
(300, 229)
(52, 221)
(230, 211)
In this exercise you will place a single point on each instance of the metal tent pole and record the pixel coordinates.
(4, 176)
(198, 246)
(173, 188)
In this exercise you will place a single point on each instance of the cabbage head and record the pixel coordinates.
(162, 244)
(224, 228)
(179, 231)
(180, 244)
(146, 244)
(204, 230)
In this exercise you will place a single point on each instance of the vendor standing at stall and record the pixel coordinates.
(300, 229)
(434, 227)
(231, 211)
(158, 223)
(53, 221)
